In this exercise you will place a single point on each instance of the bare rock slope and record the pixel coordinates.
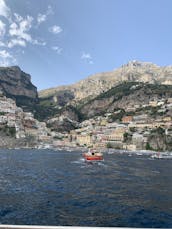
(101, 82)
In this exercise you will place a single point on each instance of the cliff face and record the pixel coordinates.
(99, 83)
(16, 84)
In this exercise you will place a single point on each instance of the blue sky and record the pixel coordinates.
(60, 42)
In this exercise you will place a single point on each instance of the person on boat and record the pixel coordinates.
(89, 152)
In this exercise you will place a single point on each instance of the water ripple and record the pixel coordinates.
(45, 187)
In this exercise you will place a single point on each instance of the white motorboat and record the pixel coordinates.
(161, 156)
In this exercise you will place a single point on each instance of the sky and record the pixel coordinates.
(59, 42)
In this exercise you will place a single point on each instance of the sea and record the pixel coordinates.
(58, 188)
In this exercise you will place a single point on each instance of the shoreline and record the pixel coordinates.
(83, 149)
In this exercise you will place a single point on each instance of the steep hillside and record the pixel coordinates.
(118, 101)
(101, 82)
(124, 96)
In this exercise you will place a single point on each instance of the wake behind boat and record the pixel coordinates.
(93, 155)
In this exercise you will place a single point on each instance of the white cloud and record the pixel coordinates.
(18, 18)
(26, 24)
(6, 58)
(55, 29)
(87, 57)
(17, 31)
(43, 17)
(36, 42)
(15, 42)
(4, 10)
(4, 54)
(2, 29)
(57, 49)
(20, 32)
(21, 29)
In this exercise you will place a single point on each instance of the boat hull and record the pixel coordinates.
(162, 157)
(93, 157)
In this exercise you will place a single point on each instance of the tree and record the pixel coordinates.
(109, 145)
(148, 147)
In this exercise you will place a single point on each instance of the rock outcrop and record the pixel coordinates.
(16, 84)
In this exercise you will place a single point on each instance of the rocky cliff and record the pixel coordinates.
(16, 84)
(101, 82)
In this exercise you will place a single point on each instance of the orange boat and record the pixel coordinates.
(92, 155)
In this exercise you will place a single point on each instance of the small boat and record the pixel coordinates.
(161, 156)
(139, 154)
(156, 155)
(93, 155)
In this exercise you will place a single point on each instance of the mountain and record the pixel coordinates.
(136, 97)
(66, 106)
(53, 100)
(115, 104)
(16, 84)
(125, 96)
(94, 85)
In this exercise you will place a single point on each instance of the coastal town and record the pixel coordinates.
(130, 132)
(19, 125)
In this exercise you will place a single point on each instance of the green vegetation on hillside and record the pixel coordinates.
(121, 90)
(47, 108)
(8, 131)
(43, 112)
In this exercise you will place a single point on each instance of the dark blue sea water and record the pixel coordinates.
(44, 187)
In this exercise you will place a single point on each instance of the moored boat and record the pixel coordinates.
(161, 156)
(156, 155)
(93, 155)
